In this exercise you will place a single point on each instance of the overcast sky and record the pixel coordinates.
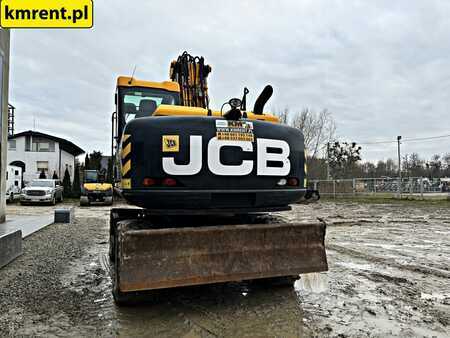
(381, 67)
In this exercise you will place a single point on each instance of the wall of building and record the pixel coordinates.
(30, 158)
(67, 161)
(4, 77)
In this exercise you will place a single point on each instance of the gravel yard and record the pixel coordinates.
(389, 276)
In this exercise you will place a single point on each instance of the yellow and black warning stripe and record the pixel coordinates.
(126, 161)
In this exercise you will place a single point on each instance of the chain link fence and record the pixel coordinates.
(383, 187)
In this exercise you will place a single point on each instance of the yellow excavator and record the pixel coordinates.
(95, 189)
(185, 165)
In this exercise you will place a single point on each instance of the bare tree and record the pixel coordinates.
(317, 128)
(283, 115)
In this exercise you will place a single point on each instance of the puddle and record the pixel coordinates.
(312, 283)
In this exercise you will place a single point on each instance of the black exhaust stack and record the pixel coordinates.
(262, 99)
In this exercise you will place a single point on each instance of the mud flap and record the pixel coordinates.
(163, 258)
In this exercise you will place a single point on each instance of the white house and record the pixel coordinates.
(35, 152)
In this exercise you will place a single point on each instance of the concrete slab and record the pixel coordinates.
(64, 215)
(27, 224)
(10, 247)
(14, 230)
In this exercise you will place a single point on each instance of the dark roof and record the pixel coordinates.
(63, 144)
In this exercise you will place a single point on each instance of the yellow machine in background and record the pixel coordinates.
(95, 189)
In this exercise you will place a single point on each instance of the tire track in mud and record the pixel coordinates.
(369, 295)
(371, 292)
(390, 262)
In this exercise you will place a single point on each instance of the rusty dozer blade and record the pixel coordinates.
(163, 258)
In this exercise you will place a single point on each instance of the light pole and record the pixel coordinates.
(399, 168)
(328, 161)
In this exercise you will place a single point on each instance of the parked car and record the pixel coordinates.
(42, 191)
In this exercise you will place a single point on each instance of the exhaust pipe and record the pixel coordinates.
(262, 100)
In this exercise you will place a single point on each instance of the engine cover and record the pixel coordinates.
(211, 163)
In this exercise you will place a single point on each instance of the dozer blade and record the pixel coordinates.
(163, 258)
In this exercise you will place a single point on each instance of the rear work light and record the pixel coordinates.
(293, 181)
(148, 182)
(169, 182)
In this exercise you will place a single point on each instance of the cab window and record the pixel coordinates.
(142, 102)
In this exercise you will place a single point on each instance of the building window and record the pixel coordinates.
(16, 172)
(42, 166)
(42, 145)
(12, 145)
(27, 143)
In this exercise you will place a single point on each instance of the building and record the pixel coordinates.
(35, 152)
(4, 81)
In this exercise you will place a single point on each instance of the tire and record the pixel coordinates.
(112, 247)
(120, 298)
(127, 298)
(84, 202)
(111, 202)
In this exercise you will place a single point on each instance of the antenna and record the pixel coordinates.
(34, 123)
(131, 79)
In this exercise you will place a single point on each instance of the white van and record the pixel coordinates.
(13, 183)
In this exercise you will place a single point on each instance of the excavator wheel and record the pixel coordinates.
(110, 202)
(116, 215)
(124, 298)
(84, 201)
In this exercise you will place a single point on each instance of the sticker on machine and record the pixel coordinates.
(234, 130)
(170, 143)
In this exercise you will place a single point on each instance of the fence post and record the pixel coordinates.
(334, 188)
(421, 188)
(375, 185)
(354, 186)
(411, 190)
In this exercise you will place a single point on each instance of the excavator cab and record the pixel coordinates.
(137, 99)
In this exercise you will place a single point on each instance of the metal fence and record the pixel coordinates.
(410, 186)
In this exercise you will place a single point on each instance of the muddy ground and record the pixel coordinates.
(389, 276)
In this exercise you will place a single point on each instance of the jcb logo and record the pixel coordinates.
(170, 143)
(246, 166)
